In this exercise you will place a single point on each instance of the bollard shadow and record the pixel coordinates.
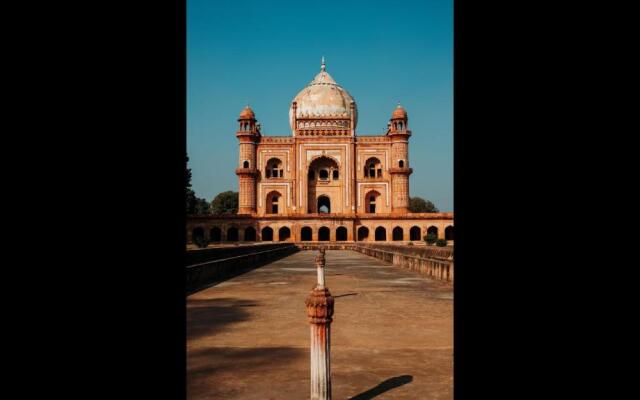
(346, 294)
(384, 386)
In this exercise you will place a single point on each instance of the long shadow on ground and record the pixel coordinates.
(384, 386)
(209, 369)
(208, 316)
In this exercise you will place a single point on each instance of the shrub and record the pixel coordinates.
(410, 244)
(441, 243)
(201, 242)
(430, 238)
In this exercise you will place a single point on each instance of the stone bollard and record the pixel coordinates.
(320, 310)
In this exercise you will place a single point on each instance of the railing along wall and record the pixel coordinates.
(431, 261)
(206, 273)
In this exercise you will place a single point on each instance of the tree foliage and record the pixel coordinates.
(187, 173)
(420, 205)
(194, 204)
(430, 238)
(225, 203)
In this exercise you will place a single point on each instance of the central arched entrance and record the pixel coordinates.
(381, 234)
(305, 234)
(324, 205)
(324, 181)
(323, 234)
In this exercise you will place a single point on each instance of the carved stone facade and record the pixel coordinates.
(324, 175)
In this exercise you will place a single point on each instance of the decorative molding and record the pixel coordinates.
(275, 151)
(261, 185)
(386, 189)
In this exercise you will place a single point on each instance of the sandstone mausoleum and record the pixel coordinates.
(323, 182)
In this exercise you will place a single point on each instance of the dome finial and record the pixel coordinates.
(322, 66)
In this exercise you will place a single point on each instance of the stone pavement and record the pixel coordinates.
(392, 333)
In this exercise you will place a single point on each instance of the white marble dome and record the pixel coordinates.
(323, 97)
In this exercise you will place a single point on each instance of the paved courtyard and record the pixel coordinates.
(392, 332)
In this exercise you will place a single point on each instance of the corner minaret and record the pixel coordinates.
(248, 134)
(399, 132)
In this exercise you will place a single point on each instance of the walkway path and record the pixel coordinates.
(392, 334)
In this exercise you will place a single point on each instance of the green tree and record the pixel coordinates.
(225, 203)
(191, 202)
(190, 194)
(202, 206)
(441, 242)
(420, 205)
(194, 204)
(430, 238)
(187, 173)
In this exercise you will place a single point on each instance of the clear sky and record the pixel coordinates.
(264, 52)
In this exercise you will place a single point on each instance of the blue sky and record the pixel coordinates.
(264, 52)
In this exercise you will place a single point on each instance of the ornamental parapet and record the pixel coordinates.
(372, 139)
(323, 132)
(277, 139)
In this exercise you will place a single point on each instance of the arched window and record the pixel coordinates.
(414, 233)
(373, 168)
(401, 163)
(448, 232)
(341, 233)
(245, 164)
(273, 203)
(323, 174)
(323, 234)
(363, 233)
(397, 233)
(274, 168)
(381, 234)
(250, 234)
(267, 234)
(324, 205)
(336, 174)
(305, 234)
(215, 234)
(371, 200)
(284, 234)
(232, 234)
